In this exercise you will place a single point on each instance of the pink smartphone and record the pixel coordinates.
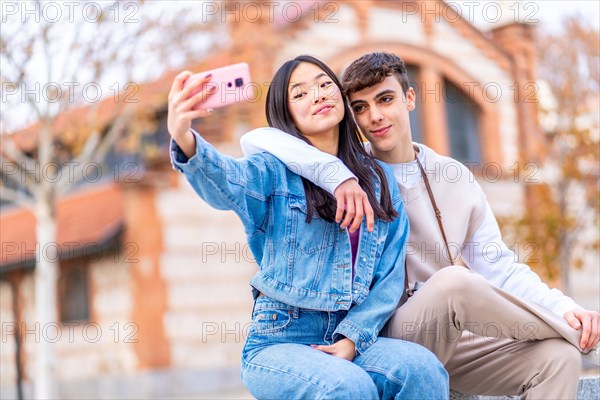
(232, 85)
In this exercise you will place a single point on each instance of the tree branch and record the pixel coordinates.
(19, 159)
(16, 197)
(9, 174)
(97, 150)
(110, 138)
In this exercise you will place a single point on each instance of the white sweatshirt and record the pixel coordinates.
(468, 220)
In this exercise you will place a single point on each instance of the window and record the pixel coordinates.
(415, 115)
(462, 120)
(73, 291)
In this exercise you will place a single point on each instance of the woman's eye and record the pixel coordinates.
(299, 95)
(325, 84)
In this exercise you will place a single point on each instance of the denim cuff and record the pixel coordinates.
(180, 161)
(361, 339)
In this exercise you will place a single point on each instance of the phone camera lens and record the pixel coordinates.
(228, 84)
(239, 82)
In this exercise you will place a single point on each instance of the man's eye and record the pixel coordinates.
(358, 109)
(386, 99)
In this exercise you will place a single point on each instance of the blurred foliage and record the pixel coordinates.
(563, 211)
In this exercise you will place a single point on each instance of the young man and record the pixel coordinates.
(498, 329)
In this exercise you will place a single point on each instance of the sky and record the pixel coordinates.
(551, 11)
(547, 13)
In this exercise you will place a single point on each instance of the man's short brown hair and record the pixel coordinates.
(373, 68)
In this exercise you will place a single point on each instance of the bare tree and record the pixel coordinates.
(54, 63)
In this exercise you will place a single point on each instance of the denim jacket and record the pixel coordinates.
(306, 265)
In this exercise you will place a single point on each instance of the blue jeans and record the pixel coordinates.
(278, 362)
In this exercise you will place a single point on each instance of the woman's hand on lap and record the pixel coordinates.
(343, 348)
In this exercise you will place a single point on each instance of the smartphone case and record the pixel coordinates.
(232, 85)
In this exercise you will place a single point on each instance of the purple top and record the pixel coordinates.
(354, 245)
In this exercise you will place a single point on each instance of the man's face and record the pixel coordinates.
(381, 111)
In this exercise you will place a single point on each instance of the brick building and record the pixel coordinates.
(153, 292)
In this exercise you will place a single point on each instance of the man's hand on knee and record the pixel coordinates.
(589, 323)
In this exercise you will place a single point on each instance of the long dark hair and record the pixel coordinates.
(350, 148)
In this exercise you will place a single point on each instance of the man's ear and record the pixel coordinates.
(411, 99)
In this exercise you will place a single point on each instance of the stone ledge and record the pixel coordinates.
(589, 389)
(217, 383)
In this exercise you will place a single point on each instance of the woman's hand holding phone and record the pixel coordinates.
(184, 106)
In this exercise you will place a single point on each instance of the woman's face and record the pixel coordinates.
(314, 100)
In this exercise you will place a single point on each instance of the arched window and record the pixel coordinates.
(463, 124)
(415, 115)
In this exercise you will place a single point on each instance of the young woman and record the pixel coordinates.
(322, 294)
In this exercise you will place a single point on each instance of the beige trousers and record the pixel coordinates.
(491, 342)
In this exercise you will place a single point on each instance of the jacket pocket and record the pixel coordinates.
(308, 238)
